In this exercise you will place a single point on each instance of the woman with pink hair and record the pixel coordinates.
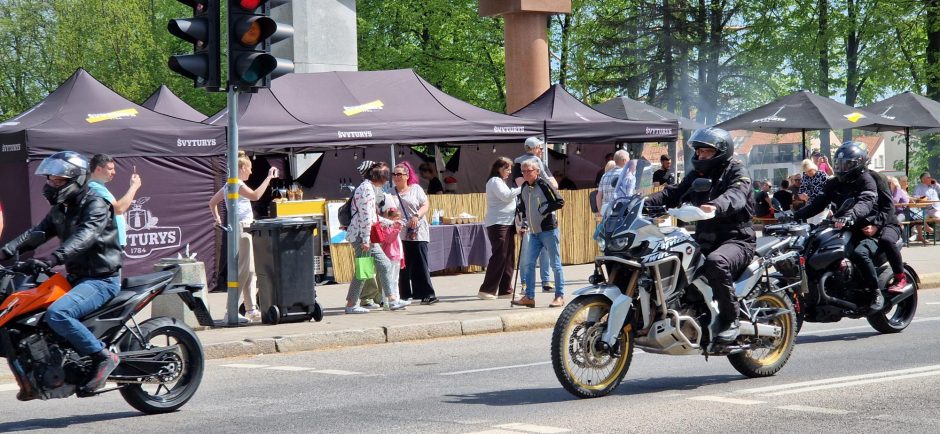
(415, 279)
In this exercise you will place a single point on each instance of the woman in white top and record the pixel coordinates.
(500, 229)
(247, 280)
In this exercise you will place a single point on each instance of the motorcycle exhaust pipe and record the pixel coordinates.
(826, 299)
(748, 328)
(906, 292)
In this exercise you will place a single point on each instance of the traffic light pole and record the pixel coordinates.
(231, 204)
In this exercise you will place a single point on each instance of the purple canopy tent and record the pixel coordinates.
(164, 101)
(177, 161)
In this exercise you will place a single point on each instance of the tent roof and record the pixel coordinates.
(366, 107)
(908, 107)
(166, 102)
(568, 120)
(804, 110)
(623, 107)
(85, 115)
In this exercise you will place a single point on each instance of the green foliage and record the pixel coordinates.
(445, 41)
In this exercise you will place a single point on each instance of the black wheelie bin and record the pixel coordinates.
(284, 265)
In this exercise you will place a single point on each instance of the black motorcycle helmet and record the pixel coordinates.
(851, 161)
(67, 164)
(715, 138)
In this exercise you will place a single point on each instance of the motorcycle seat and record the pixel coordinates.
(766, 245)
(130, 283)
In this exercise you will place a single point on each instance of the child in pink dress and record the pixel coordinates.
(391, 243)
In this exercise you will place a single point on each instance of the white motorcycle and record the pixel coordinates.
(647, 292)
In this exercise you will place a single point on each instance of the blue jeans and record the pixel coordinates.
(547, 242)
(65, 314)
(543, 264)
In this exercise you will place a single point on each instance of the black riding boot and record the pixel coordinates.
(878, 302)
(102, 364)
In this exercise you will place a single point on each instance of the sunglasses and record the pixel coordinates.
(400, 174)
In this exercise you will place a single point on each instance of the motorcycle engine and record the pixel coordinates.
(841, 279)
(47, 363)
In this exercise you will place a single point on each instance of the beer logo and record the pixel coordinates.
(772, 118)
(144, 236)
(94, 118)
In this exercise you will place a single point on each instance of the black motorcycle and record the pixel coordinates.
(812, 264)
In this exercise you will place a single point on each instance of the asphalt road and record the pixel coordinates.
(842, 377)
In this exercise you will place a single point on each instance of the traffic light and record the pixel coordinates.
(251, 32)
(202, 30)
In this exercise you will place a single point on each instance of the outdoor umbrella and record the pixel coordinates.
(622, 107)
(804, 110)
(917, 111)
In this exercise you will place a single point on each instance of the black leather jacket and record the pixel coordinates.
(731, 195)
(89, 246)
(872, 203)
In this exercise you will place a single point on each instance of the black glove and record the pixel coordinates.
(6, 253)
(37, 266)
(785, 217)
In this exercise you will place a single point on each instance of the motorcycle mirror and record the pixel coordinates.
(848, 204)
(701, 185)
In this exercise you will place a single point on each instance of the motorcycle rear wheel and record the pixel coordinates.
(896, 318)
(169, 396)
(764, 362)
(582, 367)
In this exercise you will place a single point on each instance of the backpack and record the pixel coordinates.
(345, 213)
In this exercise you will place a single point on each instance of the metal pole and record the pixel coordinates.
(804, 144)
(231, 204)
(907, 152)
(392, 149)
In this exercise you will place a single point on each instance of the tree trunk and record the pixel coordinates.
(822, 46)
(932, 76)
(851, 60)
(701, 42)
(565, 50)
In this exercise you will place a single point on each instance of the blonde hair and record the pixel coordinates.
(243, 161)
(610, 165)
(894, 181)
(809, 165)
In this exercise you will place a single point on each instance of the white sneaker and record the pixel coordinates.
(253, 315)
(486, 296)
(397, 305)
(356, 310)
(403, 302)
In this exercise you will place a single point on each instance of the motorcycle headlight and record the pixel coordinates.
(601, 243)
(619, 243)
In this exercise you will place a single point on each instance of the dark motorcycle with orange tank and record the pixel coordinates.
(161, 359)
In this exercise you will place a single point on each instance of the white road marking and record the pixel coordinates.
(841, 380)
(815, 332)
(335, 372)
(244, 365)
(809, 409)
(288, 368)
(531, 428)
(9, 387)
(471, 371)
(933, 302)
(855, 383)
(725, 400)
(494, 431)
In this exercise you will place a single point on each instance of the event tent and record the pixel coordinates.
(623, 107)
(164, 101)
(920, 112)
(313, 111)
(566, 119)
(176, 159)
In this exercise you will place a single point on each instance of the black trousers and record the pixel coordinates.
(863, 256)
(889, 241)
(721, 267)
(414, 281)
(500, 267)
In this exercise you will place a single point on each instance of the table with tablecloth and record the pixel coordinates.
(458, 246)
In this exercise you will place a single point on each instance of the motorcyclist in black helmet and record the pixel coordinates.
(728, 239)
(84, 224)
(871, 218)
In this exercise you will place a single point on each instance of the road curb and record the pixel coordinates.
(502, 322)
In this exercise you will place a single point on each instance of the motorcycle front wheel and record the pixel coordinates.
(178, 385)
(769, 357)
(583, 365)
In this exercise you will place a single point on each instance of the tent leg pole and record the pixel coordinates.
(907, 152)
(231, 204)
(804, 144)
